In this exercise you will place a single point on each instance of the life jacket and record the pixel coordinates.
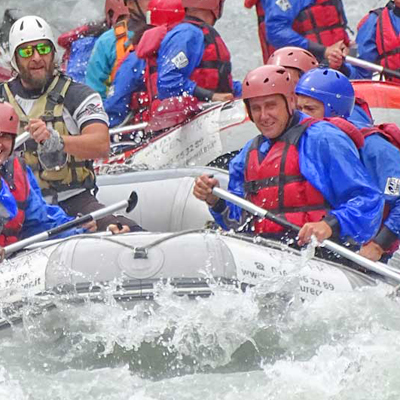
(387, 42)
(213, 72)
(77, 173)
(14, 173)
(121, 46)
(323, 22)
(275, 183)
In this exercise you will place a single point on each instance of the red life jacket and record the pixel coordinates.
(275, 183)
(323, 22)
(213, 72)
(262, 32)
(387, 42)
(19, 186)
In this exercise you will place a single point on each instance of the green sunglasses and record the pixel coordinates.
(41, 48)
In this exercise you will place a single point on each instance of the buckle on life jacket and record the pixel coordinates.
(121, 29)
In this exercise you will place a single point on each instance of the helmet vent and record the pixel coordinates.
(266, 80)
(39, 24)
(325, 72)
(21, 28)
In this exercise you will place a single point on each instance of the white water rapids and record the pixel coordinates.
(231, 346)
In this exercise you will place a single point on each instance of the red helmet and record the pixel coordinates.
(293, 57)
(268, 80)
(115, 9)
(160, 12)
(216, 6)
(9, 121)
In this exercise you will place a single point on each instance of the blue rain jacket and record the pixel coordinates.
(331, 163)
(129, 79)
(101, 62)
(8, 206)
(366, 42)
(81, 51)
(382, 161)
(186, 43)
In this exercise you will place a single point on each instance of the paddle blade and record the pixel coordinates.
(132, 202)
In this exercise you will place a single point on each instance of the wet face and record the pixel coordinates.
(310, 106)
(270, 114)
(35, 71)
(6, 144)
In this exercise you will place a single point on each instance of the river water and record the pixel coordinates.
(231, 346)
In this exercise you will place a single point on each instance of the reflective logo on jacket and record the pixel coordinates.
(14, 173)
(77, 173)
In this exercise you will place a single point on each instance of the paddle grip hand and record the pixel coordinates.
(117, 229)
(321, 230)
(203, 187)
(335, 54)
(372, 251)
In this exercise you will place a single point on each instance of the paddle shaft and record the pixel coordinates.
(357, 62)
(93, 216)
(343, 251)
(128, 128)
(21, 139)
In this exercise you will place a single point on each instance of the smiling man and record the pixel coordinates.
(307, 173)
(66, 120)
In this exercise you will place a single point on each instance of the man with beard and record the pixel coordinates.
(66, 120)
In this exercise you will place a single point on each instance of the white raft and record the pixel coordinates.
(183, 254)
(219, 129)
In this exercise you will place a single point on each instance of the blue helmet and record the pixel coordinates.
(330, 87)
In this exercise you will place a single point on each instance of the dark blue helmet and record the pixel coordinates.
(330, 87)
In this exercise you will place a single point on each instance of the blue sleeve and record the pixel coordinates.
(279, 18)
(180, 53)
(231, 216)
(40, 216)
(101, 62)
(128, 79)
(366, 43)
(382, 160)
(81, 51)
(8, 205)
(237, 89)
(335, 169)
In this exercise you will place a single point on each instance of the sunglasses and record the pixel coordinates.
(41, 48)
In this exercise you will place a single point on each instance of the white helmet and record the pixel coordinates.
(28, 29)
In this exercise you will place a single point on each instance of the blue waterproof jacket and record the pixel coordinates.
(40, 216)
(8, 205)
(366, 42)
(279, 18)
(81, 51)
(181, 51)
(129, 79)
(331, 163)
(382, 161)
(101, 62)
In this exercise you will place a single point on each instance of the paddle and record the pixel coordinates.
(21, 139)
(357, 62)
(128, 128)
(129, 204)
(343, 251)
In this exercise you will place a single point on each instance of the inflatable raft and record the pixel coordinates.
(176, 251)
